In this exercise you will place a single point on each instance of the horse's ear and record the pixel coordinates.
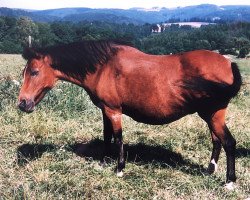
(30, 53)
(47, 59)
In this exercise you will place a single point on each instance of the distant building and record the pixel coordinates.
(158, 28)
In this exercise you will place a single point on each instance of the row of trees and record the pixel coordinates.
(227, 38)
(14, 33)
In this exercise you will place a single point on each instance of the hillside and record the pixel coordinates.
(135, 15)
(33, 15)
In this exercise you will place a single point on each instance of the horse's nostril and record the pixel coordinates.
(26, 105)
(22, 104)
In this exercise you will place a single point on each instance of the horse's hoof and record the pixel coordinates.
(119, 174)
(230, 186)
(212, 167)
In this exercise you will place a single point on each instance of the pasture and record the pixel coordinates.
(54, 152)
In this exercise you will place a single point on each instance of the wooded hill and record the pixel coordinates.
(208, 12)
(232, 38)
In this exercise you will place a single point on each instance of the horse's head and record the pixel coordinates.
(39, 77)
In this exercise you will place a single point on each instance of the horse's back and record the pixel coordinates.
(205, 63)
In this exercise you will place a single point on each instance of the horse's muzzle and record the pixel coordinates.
(26, 105)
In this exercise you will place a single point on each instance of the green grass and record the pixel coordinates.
(54, 152)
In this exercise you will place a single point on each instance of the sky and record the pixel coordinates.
(124, 4)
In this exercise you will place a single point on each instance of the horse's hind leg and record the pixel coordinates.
(216, 123)
(212, 167)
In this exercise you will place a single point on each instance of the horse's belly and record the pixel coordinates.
(153, 118)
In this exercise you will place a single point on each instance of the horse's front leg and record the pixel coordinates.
(112, 120)
(107, 135)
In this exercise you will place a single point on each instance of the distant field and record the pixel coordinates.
(54, 152)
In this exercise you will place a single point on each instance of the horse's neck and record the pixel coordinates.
(88, 82)
(72, 79)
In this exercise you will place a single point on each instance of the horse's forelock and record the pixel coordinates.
(30, 53)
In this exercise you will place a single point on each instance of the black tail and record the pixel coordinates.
(220, 91)
(233, 89)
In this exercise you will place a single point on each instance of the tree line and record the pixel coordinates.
(233, 38)
(228, 38)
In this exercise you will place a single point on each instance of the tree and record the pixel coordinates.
(7, 27)
(64, 32)
(25, 28)
(8, 36)
(45, 35)
(202, 44)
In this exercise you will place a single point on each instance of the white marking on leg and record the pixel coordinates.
(119, 174)
(215, 165)
(230, 186)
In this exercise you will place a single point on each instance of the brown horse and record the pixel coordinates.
(151, 89)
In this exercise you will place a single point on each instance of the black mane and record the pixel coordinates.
(78, 58)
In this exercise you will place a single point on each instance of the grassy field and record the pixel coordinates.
(54, 152)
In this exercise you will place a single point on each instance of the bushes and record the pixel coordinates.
(10, 47)
(243, 52)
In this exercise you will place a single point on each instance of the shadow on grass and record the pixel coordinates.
(242, 152)
(28, 152)
(140, 154)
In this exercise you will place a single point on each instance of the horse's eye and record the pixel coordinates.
(34, 73)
